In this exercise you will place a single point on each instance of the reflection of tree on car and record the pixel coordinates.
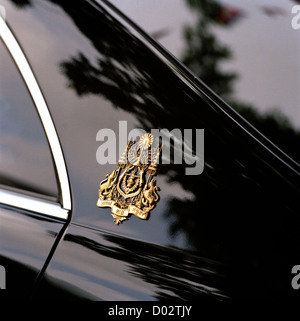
(229, 189)
(204, 54)
(235, 214)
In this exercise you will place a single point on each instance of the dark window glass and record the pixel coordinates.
(25, 158)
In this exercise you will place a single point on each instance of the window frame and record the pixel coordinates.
(19, 200)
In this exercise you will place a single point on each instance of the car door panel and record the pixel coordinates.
(227, 233)
(98, 265)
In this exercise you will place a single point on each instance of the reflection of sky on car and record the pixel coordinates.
(265, 47)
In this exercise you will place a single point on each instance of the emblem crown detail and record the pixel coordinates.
(131, 189)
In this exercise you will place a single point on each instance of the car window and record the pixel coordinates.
(25, 158)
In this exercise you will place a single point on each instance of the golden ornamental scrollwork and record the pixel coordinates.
(131, 188)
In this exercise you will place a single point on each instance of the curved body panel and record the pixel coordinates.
(230, 231)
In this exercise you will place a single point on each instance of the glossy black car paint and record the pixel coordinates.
(231, 232)
(26, 241)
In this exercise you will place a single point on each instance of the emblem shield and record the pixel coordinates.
(131, 189)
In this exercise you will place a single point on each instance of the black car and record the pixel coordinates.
(68, 70)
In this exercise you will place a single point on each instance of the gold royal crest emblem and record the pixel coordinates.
(131, 189)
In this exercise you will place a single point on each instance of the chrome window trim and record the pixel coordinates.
(43, 111)
(33, 204)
